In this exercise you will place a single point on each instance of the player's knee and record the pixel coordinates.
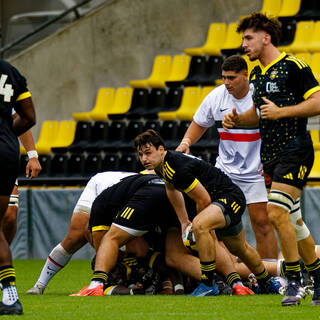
(198, 226)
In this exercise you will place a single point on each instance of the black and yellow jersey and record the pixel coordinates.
(186, 171)
(13, 87)
(286, 81)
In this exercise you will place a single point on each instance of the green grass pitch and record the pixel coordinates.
(56, 304)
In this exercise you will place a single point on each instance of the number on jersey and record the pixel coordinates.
(5, 89)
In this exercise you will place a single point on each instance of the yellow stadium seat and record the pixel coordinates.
(47, 137)
(104, 102)
(215, 40)
(251, 64)
(314, 44)
(271, 7)
(180, 68)
(315, 65)
(315, 171)
(302, 37)
(304, 56)
(160, 73)
(190, 101)
(233, 38)
(66, 133)
(315, 136)
(122, 101)
(289, 8)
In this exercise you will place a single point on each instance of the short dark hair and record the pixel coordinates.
(260, 22)
(151, 137)
(234, 63)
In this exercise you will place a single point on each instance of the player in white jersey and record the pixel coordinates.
(239, 148)
(78, 234)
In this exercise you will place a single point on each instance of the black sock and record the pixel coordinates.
(233, 278)
(102, 277)
(263, 277)
(208, 270)
(7, 276)
(293, 271)
(314, 271)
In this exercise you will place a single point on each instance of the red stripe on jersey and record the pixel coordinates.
(245, 137)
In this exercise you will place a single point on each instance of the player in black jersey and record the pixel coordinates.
(220, 205)
(127, 210)
(284, 92)
(13, 95)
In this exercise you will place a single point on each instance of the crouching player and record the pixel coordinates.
(220, 205)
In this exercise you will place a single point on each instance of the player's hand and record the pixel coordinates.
(183, 147)
(230, 119)
(184, 228)
(269, 110)
(33, 168)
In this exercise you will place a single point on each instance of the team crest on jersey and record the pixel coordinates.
(273, 74)
(251, 88)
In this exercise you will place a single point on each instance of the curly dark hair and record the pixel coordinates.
(234, 63)
(260, 22)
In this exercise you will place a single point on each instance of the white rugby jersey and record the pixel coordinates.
(96, 185)
(239, 148)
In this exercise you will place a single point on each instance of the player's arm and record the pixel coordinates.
(176, 199)
(192, 135)
(307, 108)
(33, 166)
(26, 116)
(246, 119)
(200, 195)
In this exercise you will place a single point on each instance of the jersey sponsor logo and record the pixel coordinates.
(5, 89)
(288, 176)
(272, 87)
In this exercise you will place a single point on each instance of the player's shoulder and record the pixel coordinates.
(294, 62)
(6, 67)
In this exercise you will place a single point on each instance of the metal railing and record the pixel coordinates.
(43, 26)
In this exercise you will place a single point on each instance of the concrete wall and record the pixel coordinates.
(113, 45)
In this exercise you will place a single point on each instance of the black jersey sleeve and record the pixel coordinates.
(177, 170)
(302, 78)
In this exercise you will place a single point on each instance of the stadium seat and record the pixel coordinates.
(139, 104)
(45, 161)
(115, 137)
(315, 65)
(233, 41)
(315, 136)
(128, 162)
(132, 130)
(99, 133)
(122, 102)
(81, 138)
(251, 64)
(314, 44)
(271, 7)
(157, 103)
(160, 73)
(22, 165)
(47, 137)
(289, 8)
(215, 39)
(92, 164)
(315, 171)
(197, 68)
(65, 136)
(288, 29)
(302, 37)
(188, 112)
(179, 70)
(152, 124)
(75, 165)
(169, 133)
(309, 10)
(59, 165)
(182, 128)
(304, 56)
(110, 162)
(190, 101)
(104, 103)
